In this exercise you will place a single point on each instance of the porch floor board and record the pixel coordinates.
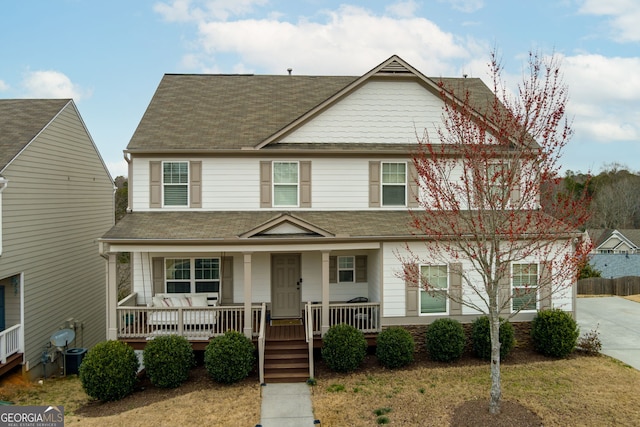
(284, 333)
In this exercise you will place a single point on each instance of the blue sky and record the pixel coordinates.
(110, 55)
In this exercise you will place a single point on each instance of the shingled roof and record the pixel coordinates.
(21, 120)
(213, 112)
(233, 111)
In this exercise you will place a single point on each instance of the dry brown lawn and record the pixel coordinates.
(579, 391)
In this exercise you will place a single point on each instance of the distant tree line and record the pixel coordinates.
(614, 195)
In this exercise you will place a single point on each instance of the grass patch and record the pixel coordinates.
(562, 392)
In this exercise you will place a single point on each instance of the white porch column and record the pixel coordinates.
(112, 297)
(248, 330)
(325, 293)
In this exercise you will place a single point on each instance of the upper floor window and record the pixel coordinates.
(192, 275)
(524, 284)
(497, 182)
(394, 184)
(437, 280)
(285, 184)
(175, 182)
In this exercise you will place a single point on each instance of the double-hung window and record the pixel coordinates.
(285, 184)
(497, 187)
(346, 269)
(394, 184)
(175, 183)
(524, 284)
(192, 275)
(436, 279)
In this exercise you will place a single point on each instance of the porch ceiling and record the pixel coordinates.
(229, 226)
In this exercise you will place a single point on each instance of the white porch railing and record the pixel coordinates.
(363, 316)
(195, 323)
(261, 342)
(308, 332)
(10, 342)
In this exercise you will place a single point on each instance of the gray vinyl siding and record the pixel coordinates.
(59, 201)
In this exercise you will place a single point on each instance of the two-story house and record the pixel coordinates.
(56, 200)
(282, 194)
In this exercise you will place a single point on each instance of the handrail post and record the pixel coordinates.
(309, 335)
(261, 342)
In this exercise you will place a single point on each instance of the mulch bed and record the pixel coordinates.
(472, 413)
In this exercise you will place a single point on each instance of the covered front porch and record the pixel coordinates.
(316, 286)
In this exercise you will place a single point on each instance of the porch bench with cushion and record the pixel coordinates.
(168, 305)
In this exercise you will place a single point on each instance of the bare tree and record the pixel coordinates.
(616, 203)
(481, 179)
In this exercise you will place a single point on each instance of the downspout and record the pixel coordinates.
(3, 184)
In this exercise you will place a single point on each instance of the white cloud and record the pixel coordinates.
(604, 109)
(625, 15)
(349, 40)
(198, 10)
(3, 86)
(402, 9)
(52, 84)
(467, 6)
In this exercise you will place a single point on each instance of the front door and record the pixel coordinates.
(285, 286)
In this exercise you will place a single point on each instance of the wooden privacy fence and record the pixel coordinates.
(623, 286)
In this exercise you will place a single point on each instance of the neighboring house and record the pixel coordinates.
(57, 199)
(281, 194)
(609, 241)
(616, 253)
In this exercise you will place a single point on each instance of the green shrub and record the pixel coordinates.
(445, 340)
(395, 347)
(554, 333)
(108, 371)
(481, 338)
(229, 358)
(167, 360)
(343, 348)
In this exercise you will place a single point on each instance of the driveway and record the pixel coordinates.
(618, 321)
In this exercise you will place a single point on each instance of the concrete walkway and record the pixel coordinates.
(286, 405)
(618, 321)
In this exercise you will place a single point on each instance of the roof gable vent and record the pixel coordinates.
(394, 67)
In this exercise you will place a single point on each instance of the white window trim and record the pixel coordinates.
(382, 184)
(446, 291)
(352, 269)
(273, 184)
(503, 186)
(188, 184)
(192, 274)
(511, 288)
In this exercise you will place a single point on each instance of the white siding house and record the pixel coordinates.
(288, 195)
(57, 200)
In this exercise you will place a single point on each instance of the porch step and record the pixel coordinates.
(286, 361)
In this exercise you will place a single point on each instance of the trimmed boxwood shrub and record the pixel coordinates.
(167, 360)
(229, 358)
(481, 338)
(554, 333)
(395, 347)
(445, 340)
(343, 348)
(108, 371)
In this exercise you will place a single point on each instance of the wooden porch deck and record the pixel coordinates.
(12, 361)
